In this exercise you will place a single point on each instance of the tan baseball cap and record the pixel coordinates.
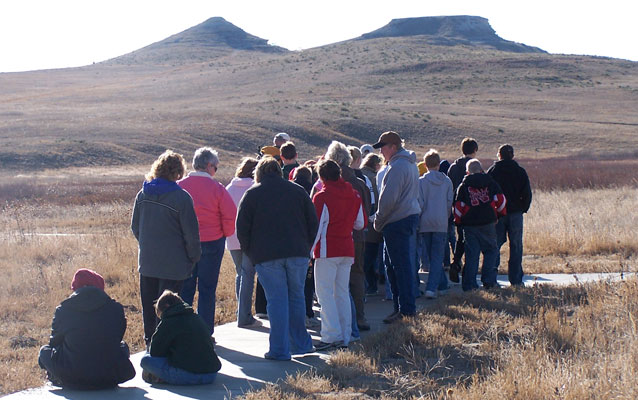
(389, 137)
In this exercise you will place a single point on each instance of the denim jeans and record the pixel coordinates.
(283, 281)
(432, 246)
(205, 276)
(400, 245)
(355, 327)
(480, 239)
(512, 226)
(244, 285)
(160, 367)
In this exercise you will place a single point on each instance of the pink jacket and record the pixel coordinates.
(214, 207)
(236, 188)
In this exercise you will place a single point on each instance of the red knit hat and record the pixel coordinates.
(85, 277)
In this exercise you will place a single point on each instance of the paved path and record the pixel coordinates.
(241, 352)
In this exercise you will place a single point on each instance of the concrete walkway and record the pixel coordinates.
(241, 352)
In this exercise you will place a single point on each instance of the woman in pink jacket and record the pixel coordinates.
(245, 278)
(215, 212)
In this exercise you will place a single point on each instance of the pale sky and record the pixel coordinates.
(42, 34)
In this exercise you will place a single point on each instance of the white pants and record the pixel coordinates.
(332, 279)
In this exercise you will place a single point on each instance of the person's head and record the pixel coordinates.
(390, 143)
(288, 152)
(246, 168)
(474, 167)
(85, 277)
(432, 160)
(329, 170)
(303, 172)
(280, 139)
(267, 166)
(366, 149)
(444, 166)
(506, 152)
(355, 153)
(166, 301)
(169, 165)
(338, 152)
(206, 160)
(372, 161)
(469, 147)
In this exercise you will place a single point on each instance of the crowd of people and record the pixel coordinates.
(348, 224)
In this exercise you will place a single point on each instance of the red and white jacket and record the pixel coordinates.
(479, 201)
(339, 210)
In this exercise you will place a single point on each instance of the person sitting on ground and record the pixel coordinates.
(182, 351)
(86, 350)
(479, 203)
(435, 199)
(340, 210)
(288, 159)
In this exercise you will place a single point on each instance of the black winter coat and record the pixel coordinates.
(477, 191)
(514, 181)
(86, 333)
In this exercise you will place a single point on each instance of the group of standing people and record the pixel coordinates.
(335, 227)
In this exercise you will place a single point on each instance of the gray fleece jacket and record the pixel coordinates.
(399, 192)
(166, 228)
(435, 198)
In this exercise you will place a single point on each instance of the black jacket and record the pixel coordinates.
(183, 338)
(476, 199)
(514, 181)
(276, 219)
(86, 333)
(457, 171)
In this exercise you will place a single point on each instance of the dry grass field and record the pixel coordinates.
(55, 222)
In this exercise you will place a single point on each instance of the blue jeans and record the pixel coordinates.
(355, 328)
(244, 285)
(283, 281)
(205, 276)
(400, 245)
(432, 246)
(160, 367)
(480, 239)
(512, 226)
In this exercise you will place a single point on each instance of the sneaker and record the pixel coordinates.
(454, 272)
(261, 315)
(269, 356)
(363, 325)
(395, 316)
(325, 346)
(150, 378)
(430, 294)
(342, 346)
(312, 323)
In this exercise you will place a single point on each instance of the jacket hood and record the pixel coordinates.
(87, 298)
(435, 177)
(339, 188)
(244, 182)
(159, 186)
(480, 179)
(177, 309)
(404, 154)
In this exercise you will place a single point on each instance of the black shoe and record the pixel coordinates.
(363, 325)
(326, 346)
(454, 272)
(395, 316)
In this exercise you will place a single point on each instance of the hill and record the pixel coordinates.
(234, 99)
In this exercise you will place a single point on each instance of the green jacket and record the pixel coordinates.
(183, 338)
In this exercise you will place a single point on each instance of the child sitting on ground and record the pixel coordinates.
(86, 350)
(182, 350)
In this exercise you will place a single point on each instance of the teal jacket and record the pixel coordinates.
(184, 339)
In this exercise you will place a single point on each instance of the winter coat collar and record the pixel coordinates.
(160, 186)
(202, 174)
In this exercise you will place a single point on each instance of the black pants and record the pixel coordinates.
(260, 299)
(460, 247)
(309, 289)
(150, 290)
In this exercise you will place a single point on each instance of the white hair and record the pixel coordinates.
(203, 156)
(474, 166)
(338, 152)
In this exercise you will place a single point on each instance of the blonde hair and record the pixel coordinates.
(246, 168)
(169, 165)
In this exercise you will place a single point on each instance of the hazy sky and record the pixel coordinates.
(38, 34)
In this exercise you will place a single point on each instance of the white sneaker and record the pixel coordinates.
(430, 294)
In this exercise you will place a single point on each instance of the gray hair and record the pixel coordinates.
(474, 166)
(338, 152)
(203, 156)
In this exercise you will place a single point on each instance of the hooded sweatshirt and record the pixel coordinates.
(340, 211)
(165, 226)
(85, 334)
(514, 181)
(435, 198)
(214, 207)
(399, 192)
(236, 189)
(479, 201)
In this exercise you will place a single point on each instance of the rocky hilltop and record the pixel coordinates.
(212, 38)
(450, 30)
